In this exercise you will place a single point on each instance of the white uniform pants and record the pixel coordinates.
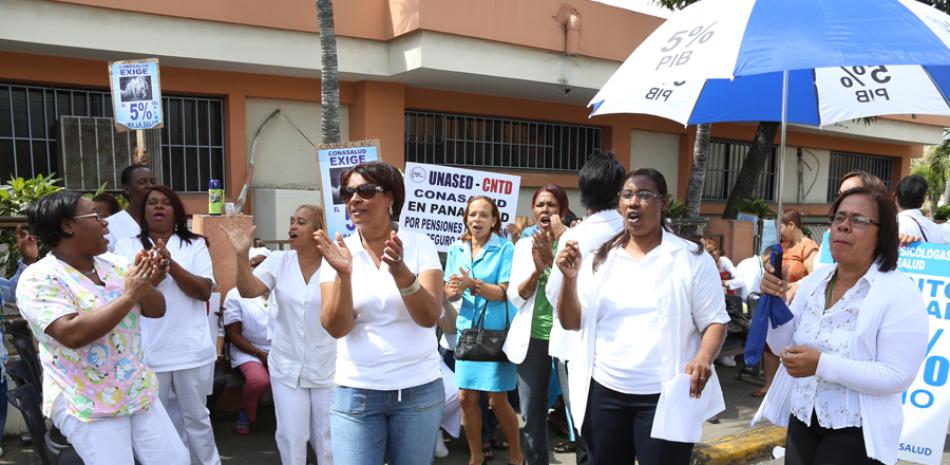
(191, 388)
(111, 441)
(302, 414)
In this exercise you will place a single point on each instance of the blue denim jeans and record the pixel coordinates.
(402, 426)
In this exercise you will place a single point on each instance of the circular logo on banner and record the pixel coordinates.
(417, 174)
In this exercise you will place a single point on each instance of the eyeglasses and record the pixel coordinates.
(366, 191)
(643, 196)
(857, 221)
(97, 216)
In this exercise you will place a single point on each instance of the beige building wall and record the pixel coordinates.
(285, 159)
(813, 176)
(656, 150)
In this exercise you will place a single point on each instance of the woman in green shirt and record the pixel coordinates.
(527, 342)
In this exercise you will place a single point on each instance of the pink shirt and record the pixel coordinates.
(106, 378)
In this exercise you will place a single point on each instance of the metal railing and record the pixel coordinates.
(722, 169)
(192, 142)
(844, 162)
(489, 142)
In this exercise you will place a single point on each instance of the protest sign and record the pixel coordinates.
(334, 160)
(136, 94)
(436, 197)
(927, 401)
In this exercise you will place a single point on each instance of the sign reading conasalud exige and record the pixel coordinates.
(136, 94)
(436, 197)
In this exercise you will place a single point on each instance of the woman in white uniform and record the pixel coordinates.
(651, 313)
(302, 354)
(179, 347)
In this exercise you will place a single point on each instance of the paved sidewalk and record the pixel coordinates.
(259, 448)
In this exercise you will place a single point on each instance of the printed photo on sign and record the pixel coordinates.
(334, 160)
(136, 88)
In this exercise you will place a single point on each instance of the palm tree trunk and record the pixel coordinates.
(751, 168)
(329, 76)
(697, 176)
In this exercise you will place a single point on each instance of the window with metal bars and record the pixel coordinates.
(842, 163)
(722, 169)
(487, 142)
(192, 139)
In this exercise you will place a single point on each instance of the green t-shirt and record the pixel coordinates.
(542, 319)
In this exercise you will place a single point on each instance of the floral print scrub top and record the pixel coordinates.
(106, 378)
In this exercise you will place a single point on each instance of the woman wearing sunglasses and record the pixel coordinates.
(858, 337)
(85, 308)
(179, 347)
(382, 297)
(302, 355)
(651, 313)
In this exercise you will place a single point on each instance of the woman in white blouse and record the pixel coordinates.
(651, 315)
(857, 340)
(302, 355)
(382, 297)
(179, 347)
(246, 322)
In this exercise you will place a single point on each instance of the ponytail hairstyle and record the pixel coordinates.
(623, 237)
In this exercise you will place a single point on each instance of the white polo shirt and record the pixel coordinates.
(253, 315)
(182, 338)
(302, 353)
(121, 226)
(386, 350)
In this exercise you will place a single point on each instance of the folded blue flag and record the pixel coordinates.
(769, 308)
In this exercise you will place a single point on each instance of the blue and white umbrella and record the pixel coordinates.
(723, 60)
(813, 62)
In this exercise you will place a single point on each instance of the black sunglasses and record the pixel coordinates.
(366, 191)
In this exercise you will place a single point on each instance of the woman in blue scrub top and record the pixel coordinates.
(477, 271)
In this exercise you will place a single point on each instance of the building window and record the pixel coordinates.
(842, 163)
(192, 139)
(722, 169)
(485, 142)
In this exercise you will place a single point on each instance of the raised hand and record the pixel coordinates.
(137, 278)
(542, 250)
(26, 242)
(240, 239)
(454, 287)
(334, 252)
(392, 254)
(465, 280)
(162, 261)
(569, 259)
(557, 226)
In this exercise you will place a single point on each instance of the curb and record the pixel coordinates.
(751, 445)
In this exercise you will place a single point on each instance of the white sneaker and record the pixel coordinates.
(440, 450)
(727, 361)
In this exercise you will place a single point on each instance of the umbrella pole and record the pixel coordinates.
(781, 156)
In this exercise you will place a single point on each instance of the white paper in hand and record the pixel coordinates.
(682, 416)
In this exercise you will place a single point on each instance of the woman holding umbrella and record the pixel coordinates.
(858, 336)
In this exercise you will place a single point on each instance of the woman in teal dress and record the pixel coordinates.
(477, 271)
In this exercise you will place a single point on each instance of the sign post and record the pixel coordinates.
(334, 159)
(436, 197)
(136, 99)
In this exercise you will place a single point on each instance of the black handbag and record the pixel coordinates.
(477, 344)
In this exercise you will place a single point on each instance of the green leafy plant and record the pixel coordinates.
(756, 206)
(942, 213)
(15, 196)
(677, 209)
